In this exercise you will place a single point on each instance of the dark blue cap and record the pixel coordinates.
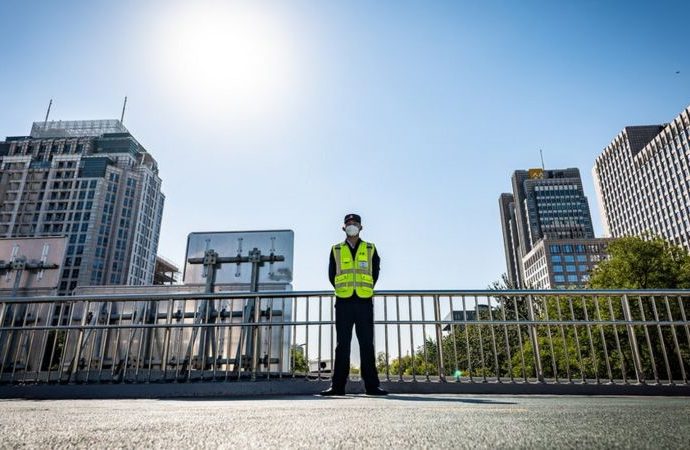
(354, 217)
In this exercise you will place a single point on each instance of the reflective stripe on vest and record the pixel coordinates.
(354, 275)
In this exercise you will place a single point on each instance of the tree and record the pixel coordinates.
(646, 263)
(422, 362)
(473, 349)
(299, 361)
(638, 263)
(510, 304)
(570, 350)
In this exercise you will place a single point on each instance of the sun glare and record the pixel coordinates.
(226, 59)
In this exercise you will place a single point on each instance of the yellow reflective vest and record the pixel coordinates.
(354, 276)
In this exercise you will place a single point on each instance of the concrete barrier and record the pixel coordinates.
(286, 387)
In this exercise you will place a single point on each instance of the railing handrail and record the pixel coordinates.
(329, 293)
(520, 322)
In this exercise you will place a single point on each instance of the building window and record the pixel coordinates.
(572, 278)
(557, 268)
(559, 278)
(570, 268)
(555, 248)
(555, 258)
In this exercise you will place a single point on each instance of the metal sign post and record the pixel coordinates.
(251, 313)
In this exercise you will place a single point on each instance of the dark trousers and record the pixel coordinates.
(361, 315)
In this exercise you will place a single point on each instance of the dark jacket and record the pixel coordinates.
(376, 267)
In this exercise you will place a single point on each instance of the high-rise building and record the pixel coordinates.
(544, 204)
(511, 245)
(92, 182)
(562, 263)
(642, 180)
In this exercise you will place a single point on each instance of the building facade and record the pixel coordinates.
(92, 182)
(511, 245)
(464, 315)
(563, 263)
(544, 204)
(642, 180)
(165, 272)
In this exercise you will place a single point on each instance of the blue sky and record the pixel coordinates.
(271, 115)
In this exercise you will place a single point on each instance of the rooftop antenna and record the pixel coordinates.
(541, 154)
(122, 117)
(48, 112)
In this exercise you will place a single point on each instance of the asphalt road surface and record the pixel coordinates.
(354, 421)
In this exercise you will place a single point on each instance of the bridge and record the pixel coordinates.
(244, 368)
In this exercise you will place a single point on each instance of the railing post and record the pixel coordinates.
(637, 361)
(255, 337)
(166, 341)
(535, 339)
(439, 339)
(3, 342)
(77, 351)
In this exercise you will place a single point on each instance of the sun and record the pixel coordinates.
(226, 58)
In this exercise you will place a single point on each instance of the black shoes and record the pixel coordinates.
(377, 392)
(331, 391)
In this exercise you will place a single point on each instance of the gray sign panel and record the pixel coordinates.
(46, 250)
(240, 243)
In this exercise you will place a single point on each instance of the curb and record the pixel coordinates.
(263, 388)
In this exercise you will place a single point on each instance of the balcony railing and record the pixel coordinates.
(574, 336)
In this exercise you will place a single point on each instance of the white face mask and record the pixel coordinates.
(352, 230)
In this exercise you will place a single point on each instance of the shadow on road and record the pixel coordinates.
(316, 397)
(299, 397)
(434, 398)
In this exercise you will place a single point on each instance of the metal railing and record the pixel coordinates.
(574, 336)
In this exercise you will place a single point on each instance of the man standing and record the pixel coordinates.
(353, 270)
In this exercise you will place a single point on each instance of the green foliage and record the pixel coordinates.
(408, 365)
(511, 304)
(299, 362)
(468, 348)
(637, 263)
(593, 344)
